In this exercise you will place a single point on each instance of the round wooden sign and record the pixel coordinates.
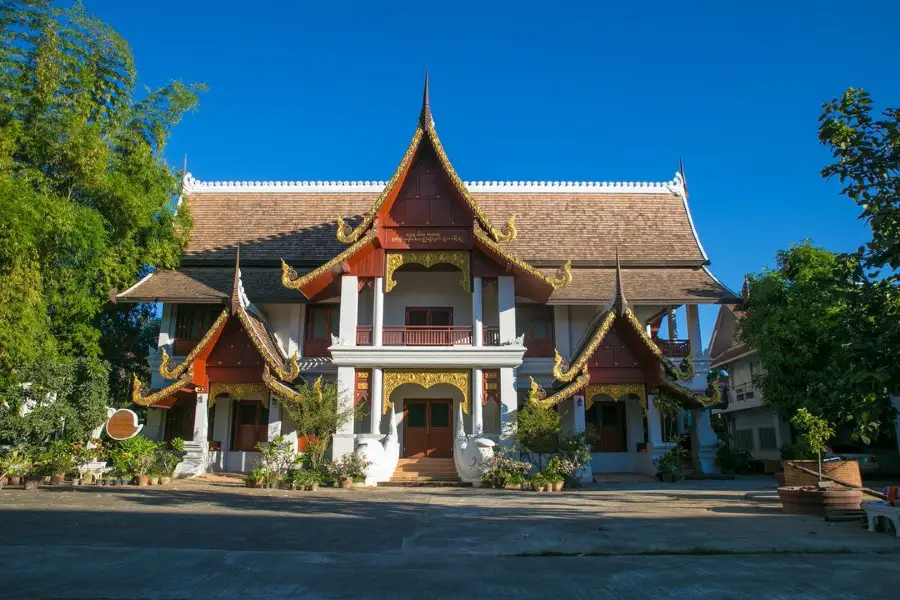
(123, 424)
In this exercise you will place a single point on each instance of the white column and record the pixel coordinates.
(375, 401)
(301, 329)
(895, 401)
(167, 327)
(707, 441)
(477, 317)
(343, 438)
(477, 399)
(578, 426)
(378, 311)
(222, 424)
(561, 331)
(508, 404)
(349, 308)
(506, 302)
(693, 325)
(201, 418)
(274, 429)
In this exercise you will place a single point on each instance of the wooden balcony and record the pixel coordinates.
(674, 348)
(427, 335)
(490, 335)
(364, 335)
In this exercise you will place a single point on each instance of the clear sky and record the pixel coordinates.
(535, 91)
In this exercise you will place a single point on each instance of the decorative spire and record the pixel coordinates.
(683, 177)
(236, 283)
(425, 116)
(619, 303)
(745, 289)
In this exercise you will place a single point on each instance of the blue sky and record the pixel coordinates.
(529, 91)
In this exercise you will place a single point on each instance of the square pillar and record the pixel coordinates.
(342, 441)
(561, 331)
(377, 312)
(693, 325)
(706, 441)
(375, 400)
(349, 308)
(477, 399)
(167, 327)
(477, 317)
(506, 304)
(274, 429)
(578, 426)
(301, 329)
(201, 418)
(509, 405)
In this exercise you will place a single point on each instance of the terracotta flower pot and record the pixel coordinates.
(15, 481)
(143, 481)
(558, 486)
(31, 483)
(314, 487)
(813, 501)
(346, 484)
(154, 481)
(164, 480)
(3, 480)
(57, 478)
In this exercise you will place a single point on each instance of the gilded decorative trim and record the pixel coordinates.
(395, 259)
(563, 277)
(508, 232)
(169, 372)
(394, 378)
(275, 362)
(236, 390)
(141, 395)
(668, 367)
(292, 281)
(347, 235)
(688, 399)
(615, 391)
(564, 372)
(568, 391)
(505, 234)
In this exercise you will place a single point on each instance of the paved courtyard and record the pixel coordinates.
(214, 540)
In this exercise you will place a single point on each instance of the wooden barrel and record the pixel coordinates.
(845, 470)
(800, 501)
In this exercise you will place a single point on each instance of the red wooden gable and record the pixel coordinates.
(623, 358)
(234, 357)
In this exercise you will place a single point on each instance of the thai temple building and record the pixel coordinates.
(444, 306)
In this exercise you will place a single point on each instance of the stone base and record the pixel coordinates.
(706, 456)
(195, 461)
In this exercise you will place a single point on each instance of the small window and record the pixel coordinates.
(440, 414)
(429, 317)
(767, 438)
(415, 414)
(322, 321)
(743, 439)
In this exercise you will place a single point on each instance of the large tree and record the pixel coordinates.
(86, 198)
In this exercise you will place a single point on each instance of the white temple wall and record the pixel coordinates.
(429, 290)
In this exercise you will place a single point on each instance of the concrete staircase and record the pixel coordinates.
(425, 471)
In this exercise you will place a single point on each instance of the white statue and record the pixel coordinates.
(470, 451)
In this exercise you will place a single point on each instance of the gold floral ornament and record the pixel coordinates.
(141, 395)
(291, 280)
(238, 391)
(394, 378)
(566, 372)
(562, 278)
(395, 259)
(616, 391)
(275, 362)
(168, 371)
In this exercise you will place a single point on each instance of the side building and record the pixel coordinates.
(408, 295)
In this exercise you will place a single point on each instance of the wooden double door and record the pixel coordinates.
(427, 429)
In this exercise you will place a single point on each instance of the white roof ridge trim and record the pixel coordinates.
(674, 186)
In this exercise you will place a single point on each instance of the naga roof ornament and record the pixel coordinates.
(425, 128)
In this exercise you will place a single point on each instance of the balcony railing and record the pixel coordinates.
(490, 335)
(674, 348)
(364, 335)
(427, 335)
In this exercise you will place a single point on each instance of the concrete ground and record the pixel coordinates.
(215, 540)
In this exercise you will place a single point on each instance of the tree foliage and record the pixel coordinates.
(86, 198)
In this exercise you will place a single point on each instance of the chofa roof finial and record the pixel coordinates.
(619, 303)
(236, 283)
(425, 116)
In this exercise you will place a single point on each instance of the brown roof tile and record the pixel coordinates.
(553, 227)
(210, 284)
(670, 285)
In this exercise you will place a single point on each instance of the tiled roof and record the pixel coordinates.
(672, 285)
(210, 284)
(728, 355)
(650, 228)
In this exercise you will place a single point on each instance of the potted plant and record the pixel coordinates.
(820, 498)
(255, 478)
(18, 463)
(57, 460)
(555, 473)
(668, 466)
(538, 483)
(501, 468)
(349, 469)
(135, 456)
(305, 480)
